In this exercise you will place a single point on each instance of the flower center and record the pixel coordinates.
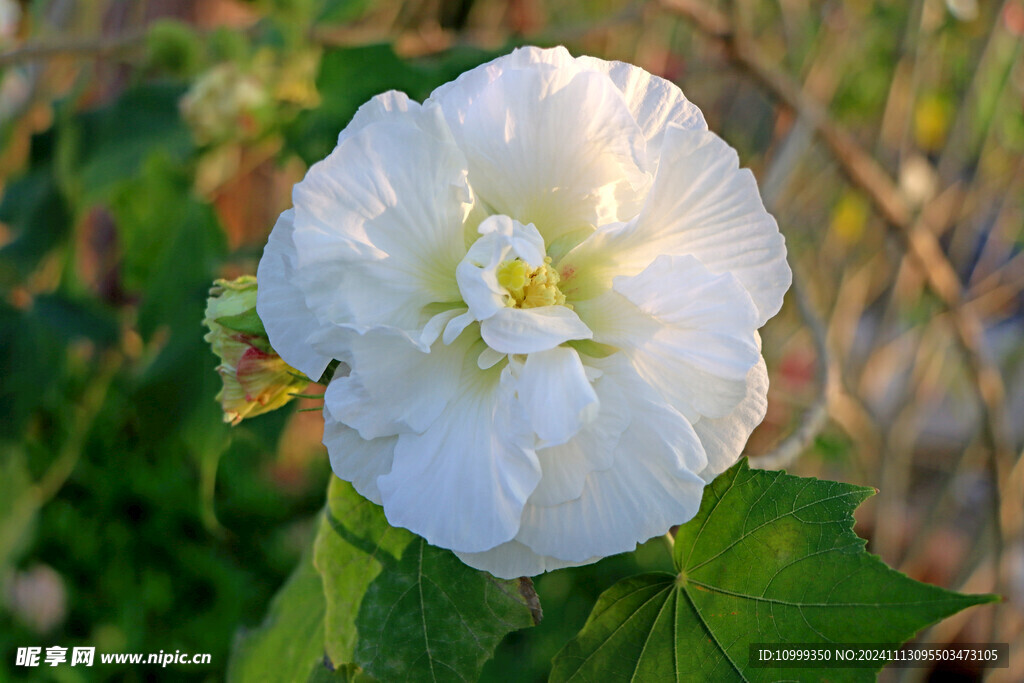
(530, 287)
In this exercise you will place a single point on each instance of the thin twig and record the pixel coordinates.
(95, 48)
(865, 172)
(408, 43)
(920, 241)
(816, 417)
(529, 594)
(83, 417)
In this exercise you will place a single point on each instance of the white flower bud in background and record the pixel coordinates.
(225, 102)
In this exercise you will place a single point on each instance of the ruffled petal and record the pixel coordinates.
(394, 387)
(356, 459)
(282, 307)
(704, 205)
(651, 485)
(556, 395)
(689, 333)
(456, 96)
(654, 102)
(566, 467)
(513, 559)
(556, 147)
(379, 108)
(378, 223)
(725, 437)
(463, 482)
(456, 326)
(438, 324)
(529, 330)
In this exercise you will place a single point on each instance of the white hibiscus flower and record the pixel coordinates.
(547, 281)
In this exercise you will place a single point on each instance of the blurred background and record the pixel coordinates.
(147, 146)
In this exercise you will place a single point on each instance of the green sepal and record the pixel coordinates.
(247, 322)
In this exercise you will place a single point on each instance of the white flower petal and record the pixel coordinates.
(456, 326)
(704, 205)
(282, 307)
(651, 485)
(379, 108)
(488, 358)
(565, 467)
(462, 483)
(654, 102)
(501, 239)
(376, 399)
(513, 559)
(357, 460)
(528, 330)
(457, 95)
(725, 437)
(689, 333)
(523, 241)
(378, 224)
(438, 324)
(347, 399)
(556, 147)
(556, 395)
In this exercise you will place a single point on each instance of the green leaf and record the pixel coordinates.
(149, 211)
(36, 212)
(341, 11)
(33, 362)
(174, 47)
(76, 318)
(349, 77)
(769, 558)
(105, 146)
(352, 547)
(433, 618)
(289, 644)
(401, 608)
(172, 245)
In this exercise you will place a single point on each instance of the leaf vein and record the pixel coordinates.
(746, 534)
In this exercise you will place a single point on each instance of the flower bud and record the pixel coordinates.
(224, 103)
(255, 378)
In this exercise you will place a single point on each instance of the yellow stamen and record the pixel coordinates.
(530, 287)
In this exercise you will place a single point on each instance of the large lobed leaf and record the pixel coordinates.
(288, 645)
(381, 603)
(422, 613)
(769, 558)
(108, 145)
